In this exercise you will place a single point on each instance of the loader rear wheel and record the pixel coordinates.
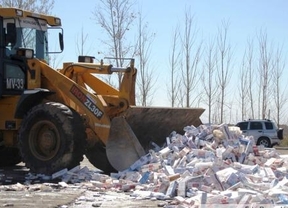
(98, 158)
(52, 137)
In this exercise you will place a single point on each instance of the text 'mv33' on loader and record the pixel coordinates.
(53, 117)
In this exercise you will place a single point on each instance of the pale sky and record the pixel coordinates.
(246, 18)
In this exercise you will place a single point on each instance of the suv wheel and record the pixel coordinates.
(264, 141)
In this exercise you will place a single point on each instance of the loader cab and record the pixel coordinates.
(24, 35)
(12, 72)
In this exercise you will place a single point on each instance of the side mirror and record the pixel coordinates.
(11, 34)
(61, 42)
(55, 37)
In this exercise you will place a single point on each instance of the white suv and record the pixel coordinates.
(265, 132)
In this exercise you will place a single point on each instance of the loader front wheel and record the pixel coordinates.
(52, 137)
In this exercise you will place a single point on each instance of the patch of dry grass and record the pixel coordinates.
(284, 142)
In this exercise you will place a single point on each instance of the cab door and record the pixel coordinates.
(14, 77)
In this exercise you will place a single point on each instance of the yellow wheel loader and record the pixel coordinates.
(50, 118)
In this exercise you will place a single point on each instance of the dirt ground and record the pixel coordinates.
(15, 192)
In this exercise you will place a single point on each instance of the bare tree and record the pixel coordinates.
(223, 69)
(81, 43)
(116, 18)
(251, 79)
(208, 77)
(265, 69)
(244, 87)
(146, 78)
(247, 82)
(216, 112)
(174, 66)
(279, 94)
(41, 6)
(192, 52)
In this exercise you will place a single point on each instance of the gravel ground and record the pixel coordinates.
(14, 193)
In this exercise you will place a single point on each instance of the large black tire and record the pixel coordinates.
(52, 137)
(9, 156)
(97, 157)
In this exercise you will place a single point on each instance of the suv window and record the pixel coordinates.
(268, 125)
(256, 125)
(243, 125)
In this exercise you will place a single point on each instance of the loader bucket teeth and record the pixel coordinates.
(122, 147)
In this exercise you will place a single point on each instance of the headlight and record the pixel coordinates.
(86, 59)
(24, 52)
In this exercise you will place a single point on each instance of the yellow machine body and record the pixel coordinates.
(75, 96)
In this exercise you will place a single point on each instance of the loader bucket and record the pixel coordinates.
(154, 124)
(131, 135)
(122, 147)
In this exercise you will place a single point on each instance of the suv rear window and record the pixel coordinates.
(268, 125)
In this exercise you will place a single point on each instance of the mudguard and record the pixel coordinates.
(30, 98)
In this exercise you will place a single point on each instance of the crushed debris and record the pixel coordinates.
(208, 165)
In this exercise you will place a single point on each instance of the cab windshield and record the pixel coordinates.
(32, 34)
